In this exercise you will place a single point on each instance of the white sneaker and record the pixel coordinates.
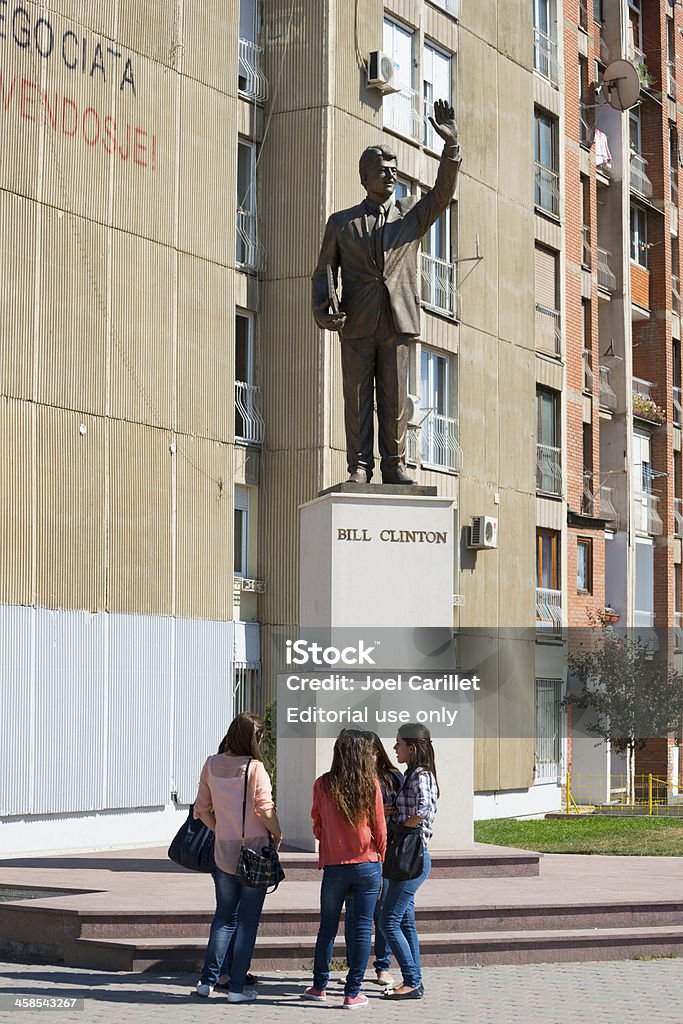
(242, 997)
(203, 990)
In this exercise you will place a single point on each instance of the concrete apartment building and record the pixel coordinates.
(168, 403)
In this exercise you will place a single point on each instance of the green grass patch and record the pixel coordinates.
(627, 837)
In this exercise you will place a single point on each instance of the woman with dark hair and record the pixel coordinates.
(389, 778)
(348, 820)
(415, 807)
(219, 803)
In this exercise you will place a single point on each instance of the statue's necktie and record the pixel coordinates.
(378, 237)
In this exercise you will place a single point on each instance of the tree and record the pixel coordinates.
(634, 693)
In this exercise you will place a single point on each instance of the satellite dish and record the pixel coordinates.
(622, 84)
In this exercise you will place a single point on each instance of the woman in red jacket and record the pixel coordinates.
(348, 821)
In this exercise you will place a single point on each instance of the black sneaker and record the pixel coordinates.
(249, 981)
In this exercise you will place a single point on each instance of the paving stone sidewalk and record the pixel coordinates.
(581, 993)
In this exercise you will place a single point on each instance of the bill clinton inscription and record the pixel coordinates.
(374, 248)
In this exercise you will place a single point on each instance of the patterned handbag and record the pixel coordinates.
(257, 869)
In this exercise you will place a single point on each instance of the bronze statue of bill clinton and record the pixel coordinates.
(375, 247)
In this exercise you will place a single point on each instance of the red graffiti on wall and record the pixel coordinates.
(123, 141)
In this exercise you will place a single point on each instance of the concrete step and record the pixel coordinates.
(480, 862)
(439, 949)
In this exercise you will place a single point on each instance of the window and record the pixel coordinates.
(547, 192)
(588, 496)
(585, 111)
(247, 253)
(597, 10)
(439, 443)
(675, 280)
(249, 424)
(437, 269)
(635, 32)
(436, 74)
(670, 58)
(546, 559)
(584, 566)
(250, 78)
(400, 111)
(545, 40)
(241, 530)
(639, 245)
(548, 731)
(548, 330)
(674, 161)
(403, 188)
(548, 451)
(634, 129)
(586, 245)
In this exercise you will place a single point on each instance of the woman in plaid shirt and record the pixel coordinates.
(414, 806)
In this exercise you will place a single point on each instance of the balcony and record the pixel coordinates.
(402, 115)
(671, 79)
(548, 469)
(585, 128)
(547, 189)
(548, 610)
(548, 331)
(644, 405)
(636, 55)
(439, 444)
(646, 518)
(249, 252)
(587, 372)
(588, 498)
(251, 80)
(639, 179)
(438, 284)
(249, 424)
(608, 511)
(586, 252)
(678, 409)
(606, 278)
(545, 56)
(678, 517)
(608, 398)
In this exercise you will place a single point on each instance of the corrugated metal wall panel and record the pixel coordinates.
(19, 141)
(204, 570)
(73, 326)
(149, 27)
(294, 45)
(16, 707)
(16, 502)
(139, 711)
(349, 78)
(205, 384)
(210, 44)
(140, 563)
(70, 507)
(71, 710)
(18, 226)
(202, 698)
(143, 301)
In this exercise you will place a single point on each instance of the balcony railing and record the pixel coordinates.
(671, 79)
(676, 294)
(588, 498)
(639, 179)
(439, 444)
(646, 518)
(608, 398)
(401, 113)
(545, 56)
(643, 620)
(644, 405)
(678, 517)
(547, 189)
(249, 252)
(607, 508)
(548, 330)
(450, 6)
(251, 80)
(586, 254)
(548, 610)
(587, 372)
(548, 469)
(250, 427)
(678, 408)
(585, 127)
(438, 284)
(636, 55)
(606, 278)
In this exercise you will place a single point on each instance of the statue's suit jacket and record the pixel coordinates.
(347, 245)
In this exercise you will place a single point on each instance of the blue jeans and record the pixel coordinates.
(238, 911)
(398, 923)
(362, 882)
(382, 961)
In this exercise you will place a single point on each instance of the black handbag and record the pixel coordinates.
(404, 858)
(193, 845)
(257, 869)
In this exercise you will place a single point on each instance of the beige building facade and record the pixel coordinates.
(167, 402)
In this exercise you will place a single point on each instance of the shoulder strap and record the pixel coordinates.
(244, 801)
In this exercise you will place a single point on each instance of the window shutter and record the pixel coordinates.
(546, 278)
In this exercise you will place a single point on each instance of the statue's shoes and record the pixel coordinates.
(360, 476)
(397, 475)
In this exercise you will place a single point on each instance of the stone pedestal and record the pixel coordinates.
(372, 558)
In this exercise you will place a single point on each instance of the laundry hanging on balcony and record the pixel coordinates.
(602, 151)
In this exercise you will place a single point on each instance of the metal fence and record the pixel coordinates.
(623, 795)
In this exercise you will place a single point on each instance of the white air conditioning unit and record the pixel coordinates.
(483, 533)
(414, 411)
(381, 73)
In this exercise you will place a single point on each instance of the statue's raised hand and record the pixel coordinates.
(443, 122)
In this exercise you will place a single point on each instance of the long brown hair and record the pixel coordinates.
(243, 738)
(351, 779)
(386, 771)
(418, 737)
